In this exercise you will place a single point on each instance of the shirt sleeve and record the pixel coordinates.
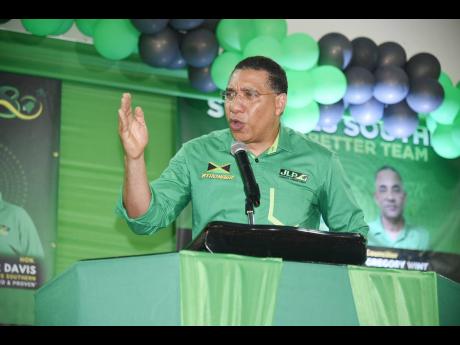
(170, 194)
(337, 202)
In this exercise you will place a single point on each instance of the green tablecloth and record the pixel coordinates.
(195, 288)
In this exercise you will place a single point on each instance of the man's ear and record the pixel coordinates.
(280, 103)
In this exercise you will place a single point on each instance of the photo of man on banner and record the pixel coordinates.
(18, 234)
(390, 229)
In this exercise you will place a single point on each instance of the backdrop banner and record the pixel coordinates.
(431, 183)
(29, 151)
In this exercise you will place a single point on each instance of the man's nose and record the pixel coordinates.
(237, 104)
(390, 196)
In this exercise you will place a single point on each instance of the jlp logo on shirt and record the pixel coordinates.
(293, 175)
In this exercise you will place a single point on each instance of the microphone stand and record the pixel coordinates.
(250, 211)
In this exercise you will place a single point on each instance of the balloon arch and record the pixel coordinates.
(327, 79)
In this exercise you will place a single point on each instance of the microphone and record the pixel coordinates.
(251, 188)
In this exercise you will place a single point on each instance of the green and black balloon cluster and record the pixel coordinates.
(160, 43)
(375, 84)
(383, 85)
(180, 43)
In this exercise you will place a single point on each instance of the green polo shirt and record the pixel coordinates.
(18, 235)
(298, 179)
(410, 237)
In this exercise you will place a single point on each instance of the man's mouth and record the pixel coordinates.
(236, 125)
(390, 207)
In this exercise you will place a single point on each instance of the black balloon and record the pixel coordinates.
(334, 49)
(399, 120)
(185, 24)
(210, 24)
(367, 113)
(425, 95)
(160, 49)
(365, 53)
(150, 26)
(423, 65)
(178, 62)
(199, 47)
(331, 114)
(200, 79)
(391, 54)
(360, 85)
(391, 84)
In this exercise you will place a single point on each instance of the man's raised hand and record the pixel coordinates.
(132, 128)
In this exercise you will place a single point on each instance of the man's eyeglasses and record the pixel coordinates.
(247, 95)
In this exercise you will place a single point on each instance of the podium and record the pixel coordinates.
(210, 285)
(286, 242)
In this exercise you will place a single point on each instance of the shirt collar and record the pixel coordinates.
(284, 141)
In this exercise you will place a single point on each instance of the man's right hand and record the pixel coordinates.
(132, 129)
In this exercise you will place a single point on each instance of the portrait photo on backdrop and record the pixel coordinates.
(18, 233)
(391, 229)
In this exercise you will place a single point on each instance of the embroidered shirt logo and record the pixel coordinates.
(216, 171)
(294, 176)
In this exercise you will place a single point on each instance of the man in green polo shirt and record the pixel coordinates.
(391, 229)
(299, 180)
(18, 234)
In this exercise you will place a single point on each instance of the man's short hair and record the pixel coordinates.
(276, 74)
(388, 167)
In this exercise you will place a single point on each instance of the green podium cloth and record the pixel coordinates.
(225, 289)
(197, 288)
(394, 297)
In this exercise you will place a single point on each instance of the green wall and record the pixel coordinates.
(91, 172)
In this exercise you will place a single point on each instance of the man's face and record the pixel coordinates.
(255, 111)
(389, 194)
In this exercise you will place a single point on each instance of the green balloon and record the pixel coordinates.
(456, 130)
(86, 26)
(42, 27)
(303, 119)
(264, 46)
(300, 52)
(458, 85)
(330, 84)
(445, 80)
(301, 88)
(115, 39)
(431, 123)
(446, 112)
(277, 28)
(443, 142)
(223, 66)
(234, 34)
(65, 26)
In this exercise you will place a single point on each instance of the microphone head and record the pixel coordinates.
(238, 146)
